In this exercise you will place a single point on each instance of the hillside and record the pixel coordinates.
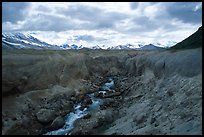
(193, 41)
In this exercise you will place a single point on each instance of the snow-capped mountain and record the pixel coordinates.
(67, 46)
(165, 44)
(96, 47)
(127, 46)
(64, 46)
(137, 47)
(21, 40)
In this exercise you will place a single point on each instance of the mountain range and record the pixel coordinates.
(19, 40)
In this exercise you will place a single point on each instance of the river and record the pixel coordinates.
(78, 113)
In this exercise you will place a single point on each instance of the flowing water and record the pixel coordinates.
(77, 113)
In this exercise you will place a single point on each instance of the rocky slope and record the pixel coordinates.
(164, 99)
(158, 92)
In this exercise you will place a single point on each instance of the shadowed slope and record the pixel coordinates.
(193, 41)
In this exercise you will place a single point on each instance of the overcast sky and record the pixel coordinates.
(108, 23)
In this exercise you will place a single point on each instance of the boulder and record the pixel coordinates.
(79, 97)
(87, 116)
(73, 99)
(107, 102)
(96, 94)
(86, 101)
(104, 116)
(112, 94)
(57, 123)
(139, 119)
(108, 116)
(45, 115)
(94, 88)
(64, 112)
(90, 126)
(68, 106)
(99, 94)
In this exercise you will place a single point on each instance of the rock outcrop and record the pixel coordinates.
(45, 116)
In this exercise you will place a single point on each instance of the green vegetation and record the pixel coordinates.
(193, 41)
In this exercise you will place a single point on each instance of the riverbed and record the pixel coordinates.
(78, 113)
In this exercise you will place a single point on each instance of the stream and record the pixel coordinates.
(78, 113)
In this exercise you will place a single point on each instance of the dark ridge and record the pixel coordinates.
(193, 41)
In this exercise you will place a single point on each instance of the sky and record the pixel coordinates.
(103, 23)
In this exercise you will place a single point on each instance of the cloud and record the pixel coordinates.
(79, 11)
(42, 8)
(13, 11)
(133, 5)
(69, 17)
(105, 22)
(84, 38)
(43, 22)
(97, 18)
(198, 6)
(188, 12)
(164, 16)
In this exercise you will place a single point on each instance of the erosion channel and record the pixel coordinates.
(85, 107)
(113, 92)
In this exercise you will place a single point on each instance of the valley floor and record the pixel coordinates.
(156, 92)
